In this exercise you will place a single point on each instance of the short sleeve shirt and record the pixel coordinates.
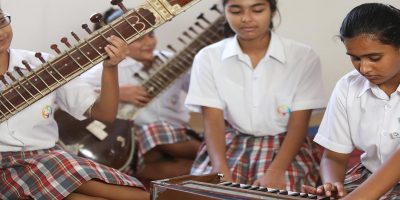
(257, 101)
(361, 115)
(168, 106)
(34, 127)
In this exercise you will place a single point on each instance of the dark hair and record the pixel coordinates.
(229, 32)
(380, 20)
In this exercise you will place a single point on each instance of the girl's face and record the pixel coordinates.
(142, 48)
(249, 19)
(6, 33)
(378, 62)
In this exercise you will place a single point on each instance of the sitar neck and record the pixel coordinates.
(87, 53)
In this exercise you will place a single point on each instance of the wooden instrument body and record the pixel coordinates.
(210, 187)
(103, 151)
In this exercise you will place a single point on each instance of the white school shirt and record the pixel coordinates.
(257, 101)
(360, 115)
(34, 127)
(168, 106)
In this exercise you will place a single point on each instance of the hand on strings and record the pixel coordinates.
(117, 50)
(272, 179)
(328, 189)
(137, 95)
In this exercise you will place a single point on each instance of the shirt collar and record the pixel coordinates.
(374, 89)
(275, 49)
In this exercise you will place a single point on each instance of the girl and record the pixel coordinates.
(256, 91)
(165, 147)
(364, 108)
(31, 164)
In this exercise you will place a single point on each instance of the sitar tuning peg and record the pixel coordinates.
(64, 40)
(199, 25)
(193, 30)
(119, 4)
(26, 64)
(75, 36)
(215, 8)
(201, 16)
(39, 56)
(185, 33)
(86, 28)
(97, 18)
(171, 48)
(55, 48)
(3, 79)
(18, 70)
(181, 40)
(11, 76)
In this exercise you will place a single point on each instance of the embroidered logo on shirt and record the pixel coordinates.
(284, 110)
(46, 111)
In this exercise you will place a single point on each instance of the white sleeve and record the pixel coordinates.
(75, 97)
(310, 93)
(334, 131)
(202, 89)
(93, 76)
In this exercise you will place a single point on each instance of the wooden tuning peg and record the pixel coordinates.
(18, 70)
(185, 33)
(170, 47)
(201, 16)
(97, 18)
(3, 79)
(193, 30)
(181, 40)
(55, 48)
(11, 76)
(75, 36)
(39, 56)
(199, 25)
(86, 28)
(64, 40)
(215, 8)
(119, 4)
(26, 64)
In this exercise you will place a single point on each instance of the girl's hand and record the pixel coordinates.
(272, 179)
(137, 95)
(328, 189)
(226, 172)
(117, 50)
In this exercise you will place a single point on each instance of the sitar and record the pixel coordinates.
(116, 148)
(36, 84)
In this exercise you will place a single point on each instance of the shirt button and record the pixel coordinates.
(387, 107)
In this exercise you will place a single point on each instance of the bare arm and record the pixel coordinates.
(106, 106)
(387, 176)
(296, 134)
(214, 129)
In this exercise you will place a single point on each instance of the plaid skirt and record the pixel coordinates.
(358, 174)
(159, 133)
(249, 157)
(52, 174)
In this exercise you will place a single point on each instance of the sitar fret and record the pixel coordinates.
(86, 54)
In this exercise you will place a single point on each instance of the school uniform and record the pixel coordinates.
(257, 104)
(164, 120)
(31, 164)
(361, 115)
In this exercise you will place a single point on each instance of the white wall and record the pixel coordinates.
(39, 23)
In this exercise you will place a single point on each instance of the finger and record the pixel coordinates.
(328, 187)
(257, 183)
(341, 192)
(310, 189)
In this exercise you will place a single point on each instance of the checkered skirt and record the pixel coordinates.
(159, 133)
(358, 174)
(52, 174)
(249, 157)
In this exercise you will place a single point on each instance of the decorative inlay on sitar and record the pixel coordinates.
(87, 53)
